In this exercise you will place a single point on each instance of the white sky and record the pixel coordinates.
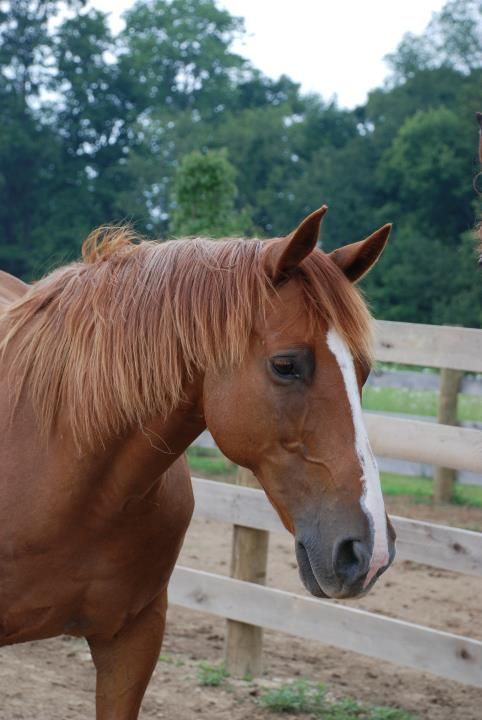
(335, 48)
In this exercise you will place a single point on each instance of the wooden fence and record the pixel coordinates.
(441, 347)
(252, 606)
(445, 654)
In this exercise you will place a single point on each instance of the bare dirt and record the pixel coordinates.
(54, 680)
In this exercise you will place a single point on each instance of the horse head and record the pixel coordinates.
(291, 411)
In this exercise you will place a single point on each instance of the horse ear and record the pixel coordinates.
(284, 255)
(355, 260)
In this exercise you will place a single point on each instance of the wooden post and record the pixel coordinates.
(244, 642)
(444, 478)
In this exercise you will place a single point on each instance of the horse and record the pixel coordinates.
(111, 366)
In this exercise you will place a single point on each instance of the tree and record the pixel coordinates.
(453, 39)
(29, 147)
(204, 197)
(26, 44)
(99, 127)
(426, 176)
(177, 55)
(427, 169)
(94, 116)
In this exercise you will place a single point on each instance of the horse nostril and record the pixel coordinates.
(351, 560)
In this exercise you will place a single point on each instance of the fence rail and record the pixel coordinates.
(449, 656)
(438, 346)
(445, 445)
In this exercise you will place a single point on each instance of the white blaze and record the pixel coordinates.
(372, 499)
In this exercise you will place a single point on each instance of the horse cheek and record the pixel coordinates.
(236, 418)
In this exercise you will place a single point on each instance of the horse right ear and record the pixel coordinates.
(284, 255)
(355, 260)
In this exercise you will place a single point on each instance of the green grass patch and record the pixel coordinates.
(417, 487)
(295, 697)
(420, 489)
(416, 402)
(170, 660)
(469, 408)
(382, 365)
(304, 698)
(211, 675)
(209, 462)
(470, 495)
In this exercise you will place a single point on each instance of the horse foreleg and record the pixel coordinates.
(125, 663)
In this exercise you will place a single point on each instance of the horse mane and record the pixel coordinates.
(115, 337)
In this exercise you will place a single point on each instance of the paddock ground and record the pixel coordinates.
(54, 680)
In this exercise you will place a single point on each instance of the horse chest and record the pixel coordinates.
(94, 570)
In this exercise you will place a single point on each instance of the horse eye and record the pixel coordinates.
(285, 368)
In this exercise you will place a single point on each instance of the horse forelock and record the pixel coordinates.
(115, 338)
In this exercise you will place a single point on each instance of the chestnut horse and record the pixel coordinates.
(111, 367)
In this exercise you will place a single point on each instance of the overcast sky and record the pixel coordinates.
(335, 48)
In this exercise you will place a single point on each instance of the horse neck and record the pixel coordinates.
(145, 453)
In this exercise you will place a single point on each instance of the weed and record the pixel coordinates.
(301, 697)
(211, 675)
(298, 696)
(170, 660)
(386, 713)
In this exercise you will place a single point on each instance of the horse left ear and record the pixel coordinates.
(356, 260)
(284, 255)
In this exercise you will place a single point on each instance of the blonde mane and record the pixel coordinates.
(115, 337)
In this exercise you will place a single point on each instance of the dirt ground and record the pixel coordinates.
(54, 680)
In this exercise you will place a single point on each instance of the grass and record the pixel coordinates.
(421, 489)
(211, 675)
(417, 402)
(170, 660)
(417, 487)
(209, 462)
(295, 697)
(302, 697)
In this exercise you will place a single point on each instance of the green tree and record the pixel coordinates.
(26, 44)
(94, 116)
(453, 39)
(204, 197)
(97, 128)
(177, 55)
(29, 146)
(427, 169)
(426, 176)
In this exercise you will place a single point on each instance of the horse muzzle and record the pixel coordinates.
(343, 568)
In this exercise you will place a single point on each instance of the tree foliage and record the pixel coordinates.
(204, 195)
(453, 39)
(166, 125)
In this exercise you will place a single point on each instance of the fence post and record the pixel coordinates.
(244, 642)
(444, 478)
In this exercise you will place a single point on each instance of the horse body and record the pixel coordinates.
(95, 494)
(94, 550)
(97, 541)
(88, 552)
